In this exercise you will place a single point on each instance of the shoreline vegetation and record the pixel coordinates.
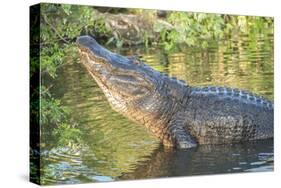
(121, 27)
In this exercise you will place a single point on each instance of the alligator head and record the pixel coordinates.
(122, 79)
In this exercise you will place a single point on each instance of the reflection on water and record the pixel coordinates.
(206, 159)
(114, 148)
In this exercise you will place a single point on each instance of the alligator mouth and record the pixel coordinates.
(95, 58)
(102, 63)
(92, 53)
(101, 55)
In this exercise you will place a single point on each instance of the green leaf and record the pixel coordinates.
(204, 44)
(110, 40)
(66, 9)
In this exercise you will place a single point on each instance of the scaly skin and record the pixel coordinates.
(179, 115)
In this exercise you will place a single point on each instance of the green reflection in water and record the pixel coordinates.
(111, 145)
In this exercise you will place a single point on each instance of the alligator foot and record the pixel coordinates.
(180, 137)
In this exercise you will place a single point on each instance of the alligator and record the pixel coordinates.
(180, 115)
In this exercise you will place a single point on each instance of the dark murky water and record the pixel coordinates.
(114, 148)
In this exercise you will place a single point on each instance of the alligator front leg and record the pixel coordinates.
(179, 136)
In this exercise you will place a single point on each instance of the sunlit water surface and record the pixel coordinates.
(113, 148)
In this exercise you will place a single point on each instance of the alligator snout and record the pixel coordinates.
(85, 41)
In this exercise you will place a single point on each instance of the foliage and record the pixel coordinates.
(54, 116)
(60, 25)
(68, 135)
(52, 112)
(199, 29)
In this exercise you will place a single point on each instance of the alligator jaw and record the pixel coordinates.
(100, 55)
(121, 79)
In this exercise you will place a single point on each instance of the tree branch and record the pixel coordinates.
(54, 29)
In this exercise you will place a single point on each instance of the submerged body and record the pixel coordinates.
(179, 115)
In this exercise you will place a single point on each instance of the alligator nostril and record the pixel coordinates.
(136, 62)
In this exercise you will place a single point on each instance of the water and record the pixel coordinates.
(208, 159)
(113, 148)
